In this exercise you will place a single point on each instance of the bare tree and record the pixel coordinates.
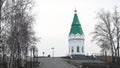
(16, 29)
(3, 32)
(116, 22)
(107, 32)
(20, 34)
(103, 33)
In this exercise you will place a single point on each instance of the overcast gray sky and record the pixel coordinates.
(53, 19)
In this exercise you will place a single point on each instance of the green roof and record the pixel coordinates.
(76, 26)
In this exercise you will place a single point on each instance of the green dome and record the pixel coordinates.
(76, 27)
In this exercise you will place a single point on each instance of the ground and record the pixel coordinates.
(54, 63)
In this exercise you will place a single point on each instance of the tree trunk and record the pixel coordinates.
(113, 58)
(0, 13)
(111, 43)
(118, 51)
(106, 56)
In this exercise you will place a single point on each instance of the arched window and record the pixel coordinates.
(72, 49)
(78, 49)
(82, 49)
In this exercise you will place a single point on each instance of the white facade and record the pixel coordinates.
(76, 44)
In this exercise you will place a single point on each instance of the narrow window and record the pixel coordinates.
(78, 49)
(72, 49)
(82, 50)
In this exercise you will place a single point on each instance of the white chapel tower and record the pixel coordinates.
(76, 37)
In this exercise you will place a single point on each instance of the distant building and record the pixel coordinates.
(33, 51)
(76, 37)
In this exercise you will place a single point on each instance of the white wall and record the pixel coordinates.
(74, 42)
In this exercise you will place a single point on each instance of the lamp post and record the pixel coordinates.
(52, 51)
